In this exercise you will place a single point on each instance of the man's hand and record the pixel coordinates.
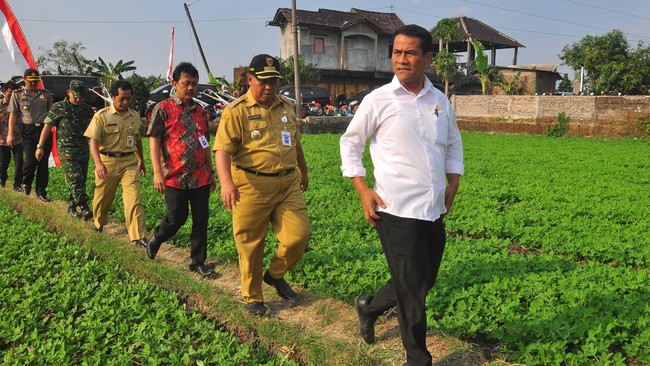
(10, 139)
(159, 182)
(213, 182)
(304, 181)
(141, 167)
(369, 199)
(39, 154)
(229, 195)
(453, 180)
(101, 171)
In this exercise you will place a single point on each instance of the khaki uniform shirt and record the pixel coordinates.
(113, 132)
(31, 109)
(255, 136)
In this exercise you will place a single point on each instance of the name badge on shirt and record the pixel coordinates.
(130, 141)
(286, 138)
(203, 141)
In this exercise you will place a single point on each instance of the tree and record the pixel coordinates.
(565, 85)
(444, 62)
(64, 58)
(610, 65)
(482, 65)
(140, 93)
(309, 74)
(107, 73)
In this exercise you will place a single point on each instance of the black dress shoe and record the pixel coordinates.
(152, 247)
(72, 210)
(140, 242)
(18, 189)
(366, 322)
(26, 190)
(203, 270)
(281, 287)
(3, 183)
(44, 198)
(97, 229)
(257, 308)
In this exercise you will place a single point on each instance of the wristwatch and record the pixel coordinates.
(39, 146)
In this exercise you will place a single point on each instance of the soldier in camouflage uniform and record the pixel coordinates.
(71, 118)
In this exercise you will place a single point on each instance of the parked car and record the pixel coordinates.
(59, 84)
(308, 93)
(355, 100)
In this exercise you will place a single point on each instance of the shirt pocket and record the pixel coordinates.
(256, 133)
(112, 128)
(442, 127)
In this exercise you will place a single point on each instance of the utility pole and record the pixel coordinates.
(205, 62)
(296, 68)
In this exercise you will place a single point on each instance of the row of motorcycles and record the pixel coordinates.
(315, 109)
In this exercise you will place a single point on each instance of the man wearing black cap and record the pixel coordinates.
(263, 173)
(71, 117)
(31, 106)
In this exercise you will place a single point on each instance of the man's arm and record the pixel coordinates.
(369, 199)
(302, 165)
(453, 180)
(229, 192)
(138, 153)
(208, 162)
(100, 168)
(41, 141)
(13, 119)
(156, 154)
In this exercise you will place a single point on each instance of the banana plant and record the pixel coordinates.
(482, 66)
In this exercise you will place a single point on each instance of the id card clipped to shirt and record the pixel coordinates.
(286, 138)
(203, 141)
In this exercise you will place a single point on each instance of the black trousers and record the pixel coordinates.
(32, 167)
(413, 249)
(177, 210)
(5, 158)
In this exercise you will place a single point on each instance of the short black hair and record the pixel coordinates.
(414, 30)
(9, 85)
(120, 84)
(184, 67)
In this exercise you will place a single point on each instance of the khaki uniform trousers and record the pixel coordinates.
(277, 200)
(123, 171)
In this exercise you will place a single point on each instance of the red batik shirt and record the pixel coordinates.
(179, 130)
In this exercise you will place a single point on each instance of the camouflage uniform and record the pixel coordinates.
(71, 121)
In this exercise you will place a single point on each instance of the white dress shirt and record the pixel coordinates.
(414, 143)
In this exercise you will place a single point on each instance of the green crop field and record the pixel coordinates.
(548, 256)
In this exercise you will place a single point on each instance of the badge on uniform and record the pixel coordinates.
(203, 141)
(286, 138)
(130, 141)
(256, 135)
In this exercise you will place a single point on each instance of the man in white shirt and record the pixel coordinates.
(417, 156)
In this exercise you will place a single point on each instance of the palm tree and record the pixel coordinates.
(446, 30)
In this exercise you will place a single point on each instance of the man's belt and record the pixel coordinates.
(281, 173)
(115, 155)
(37, 124)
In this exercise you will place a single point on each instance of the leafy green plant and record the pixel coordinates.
(509, 87)
(560, 128)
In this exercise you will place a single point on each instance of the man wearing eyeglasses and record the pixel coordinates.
(31, 106)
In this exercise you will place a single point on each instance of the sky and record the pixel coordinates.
(231, 32)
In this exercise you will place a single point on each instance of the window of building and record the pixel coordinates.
(319, 45)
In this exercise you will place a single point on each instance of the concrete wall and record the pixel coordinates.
(601, 116)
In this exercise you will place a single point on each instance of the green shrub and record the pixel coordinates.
(559, 129)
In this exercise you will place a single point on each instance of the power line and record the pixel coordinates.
(549, 18)
(139, 21)
(612, 10)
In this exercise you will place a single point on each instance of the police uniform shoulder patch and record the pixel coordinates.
(286, 100)
(237, 101)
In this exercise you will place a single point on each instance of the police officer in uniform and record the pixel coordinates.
(263, 174)
(31, 106)
(71, 118)
(116, 148)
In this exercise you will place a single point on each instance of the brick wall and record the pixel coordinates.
(600, 116)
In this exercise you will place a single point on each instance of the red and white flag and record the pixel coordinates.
(171, 58)
(22, 57)
(15, 39)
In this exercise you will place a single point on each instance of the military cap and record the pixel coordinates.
(265, 67)
(78, 88)
(31, 75)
